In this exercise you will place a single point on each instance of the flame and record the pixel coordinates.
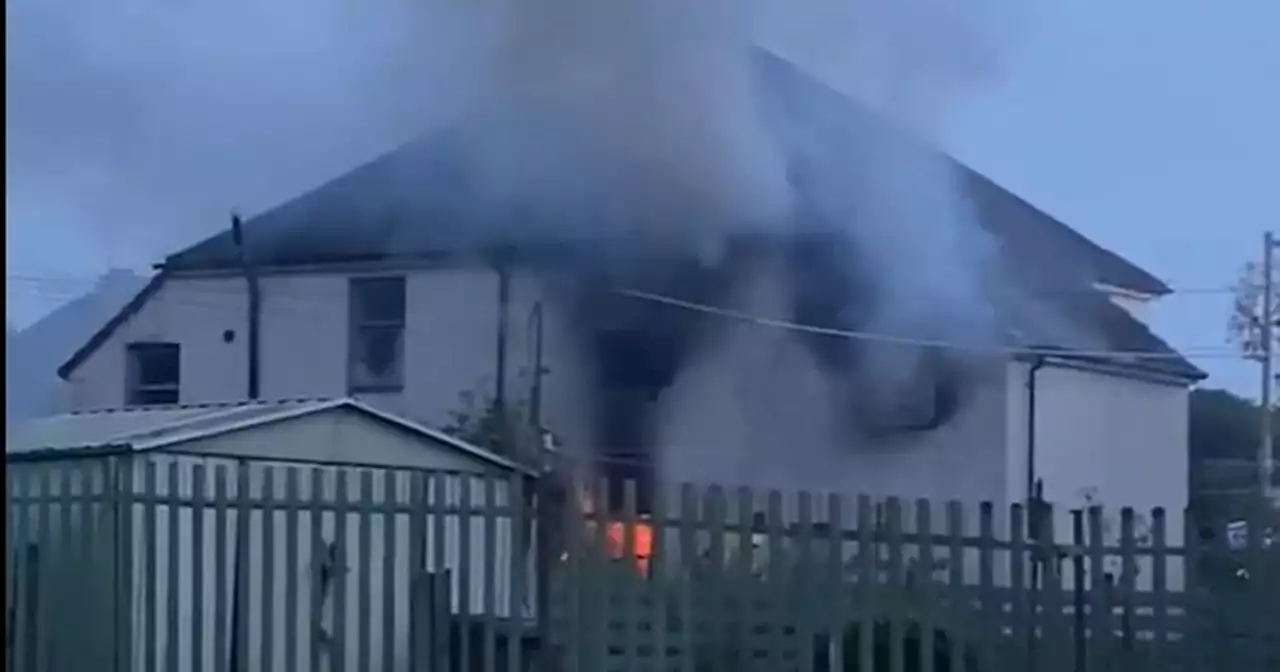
(616, 537)
(641, 543)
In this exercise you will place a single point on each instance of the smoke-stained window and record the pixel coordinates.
(377, 314)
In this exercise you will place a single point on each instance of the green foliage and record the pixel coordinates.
(481, 421)
(1223, 447)
(1223, 426)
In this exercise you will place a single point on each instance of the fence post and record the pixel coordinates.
(552, 536)
(1159, 589)
(1080, 635)
(1021, 620)
(1127, 580)
(1099, 594)
(418, 592)
(122, 469)
(835, 582)
(1053, 621)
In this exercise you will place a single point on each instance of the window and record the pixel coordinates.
(376, 350)
(154, 373)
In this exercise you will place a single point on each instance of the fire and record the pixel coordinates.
(641, 543)
(616, 537)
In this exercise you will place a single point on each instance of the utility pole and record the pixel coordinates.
(1266, 455)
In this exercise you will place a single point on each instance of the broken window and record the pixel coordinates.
(377, 313)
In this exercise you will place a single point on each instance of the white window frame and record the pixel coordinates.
(357, 325)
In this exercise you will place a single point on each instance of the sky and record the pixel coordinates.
(1150, 126)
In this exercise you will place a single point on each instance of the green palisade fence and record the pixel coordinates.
(181, 563)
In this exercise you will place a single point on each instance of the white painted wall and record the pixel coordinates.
(193, 312)
(1120, 440)
(304, 340)
(452, 322)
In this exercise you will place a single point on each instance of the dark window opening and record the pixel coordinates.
(154, 374)
(633, 359)
(624, 435)
(377, 323)
(930, 399)
(634, 366)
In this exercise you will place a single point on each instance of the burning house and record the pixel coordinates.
(660, 349)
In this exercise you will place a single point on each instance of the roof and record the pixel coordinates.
(379, 209)
(117, 320)
(32, 354)
(157, 427)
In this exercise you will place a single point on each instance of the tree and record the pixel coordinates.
(1223, 426)
(1244, 326)
(481, 421)
(1223, 447)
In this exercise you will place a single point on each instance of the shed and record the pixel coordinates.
(187, 537)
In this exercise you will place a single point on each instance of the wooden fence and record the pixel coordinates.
(772, 586)
(146, 565)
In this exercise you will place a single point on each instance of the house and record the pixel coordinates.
(33, 353)
(156, 573)
(383, 284)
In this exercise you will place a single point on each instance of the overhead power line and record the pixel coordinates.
(889, 338)
(304, 306)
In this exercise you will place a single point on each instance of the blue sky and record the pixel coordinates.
(1151, 127)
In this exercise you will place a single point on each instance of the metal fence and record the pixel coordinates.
(185, 563)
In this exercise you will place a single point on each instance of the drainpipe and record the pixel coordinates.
(1035, 494)
(503, 269)
(1036, 365)
(535, 386)
(255, 304)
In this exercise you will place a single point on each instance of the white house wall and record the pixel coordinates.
(304, 340)
(193, 312)
(714, 431)
(377, 560)
(1107, 440)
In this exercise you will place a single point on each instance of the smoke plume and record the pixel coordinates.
(914, 61)
(638, 121)
(641, 123)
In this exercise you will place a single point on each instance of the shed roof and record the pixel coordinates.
(156, 427)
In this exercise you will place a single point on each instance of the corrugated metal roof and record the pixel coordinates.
(148, 428)
(136, 427)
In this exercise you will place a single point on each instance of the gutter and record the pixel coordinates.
(1134, 370)
(255, 305)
